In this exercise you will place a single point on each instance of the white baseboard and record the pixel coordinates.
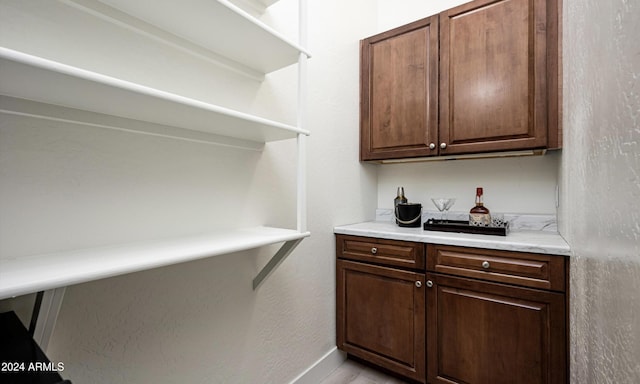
(321, 368)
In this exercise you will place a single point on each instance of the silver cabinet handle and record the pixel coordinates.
(374, 250)
(418, 283)
(432, 146)
(429, 283)
(485, 265)
(443, 145)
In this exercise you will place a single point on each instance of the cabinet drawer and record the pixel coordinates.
(381, 251)
(520, 268)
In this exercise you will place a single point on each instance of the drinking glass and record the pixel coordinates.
(497, 220)
(443, 204)
(448, 204)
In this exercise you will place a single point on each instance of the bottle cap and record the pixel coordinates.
(479, 191)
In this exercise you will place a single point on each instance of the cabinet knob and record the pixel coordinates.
(374, 250)
(418, 283)
(432, 146)
(443, 145)
(485, 265)
(429, 283)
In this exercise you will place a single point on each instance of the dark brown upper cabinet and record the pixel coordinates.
(399, 92)
(495, 63)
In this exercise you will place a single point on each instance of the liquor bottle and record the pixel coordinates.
(400, 198)
(479, 215)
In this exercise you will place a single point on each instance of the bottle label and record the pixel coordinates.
(479, 219)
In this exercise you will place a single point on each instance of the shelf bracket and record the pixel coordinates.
(278, 258)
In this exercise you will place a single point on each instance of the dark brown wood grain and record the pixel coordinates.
(554, 73)
(481, 332)
(380, 316)
(485, 76)
(505, 322)
(399, 91)
(387, 252)
(520, 268)
(493, 76)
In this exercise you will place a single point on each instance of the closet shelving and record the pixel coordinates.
(33, 78)
(31, 85)
(60, 269)
(258, 5)
(245, 43)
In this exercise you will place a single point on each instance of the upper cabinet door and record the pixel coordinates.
(399, 92)
(493, 80)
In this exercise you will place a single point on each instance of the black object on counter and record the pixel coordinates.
(409, 215)
(461, 226)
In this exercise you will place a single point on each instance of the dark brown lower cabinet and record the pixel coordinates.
(381, 316)
(477, 316)
(481, 332)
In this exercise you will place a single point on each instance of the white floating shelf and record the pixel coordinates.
(30, 274)
(259, 5)
(37, 79)
(216, 25)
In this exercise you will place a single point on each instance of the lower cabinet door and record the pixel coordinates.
(488, 333)
(381, 316)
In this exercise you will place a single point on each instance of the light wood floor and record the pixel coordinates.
(352, 372)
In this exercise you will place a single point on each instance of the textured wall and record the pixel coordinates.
(601, 187)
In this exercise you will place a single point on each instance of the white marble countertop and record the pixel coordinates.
(534, 241)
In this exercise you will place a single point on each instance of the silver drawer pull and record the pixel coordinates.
(374, 250)
(485, 265)
(418, 283)
(429, 283)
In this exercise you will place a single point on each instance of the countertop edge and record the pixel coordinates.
(519, 241)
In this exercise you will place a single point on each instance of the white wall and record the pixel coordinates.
(513, 185)
(393, 14)
(64, 186)
(601, 187)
